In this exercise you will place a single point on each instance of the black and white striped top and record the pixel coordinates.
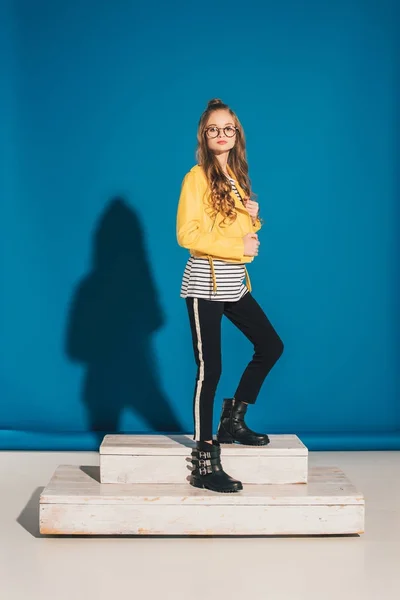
(197, 279)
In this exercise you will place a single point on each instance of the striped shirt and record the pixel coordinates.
(197, 281)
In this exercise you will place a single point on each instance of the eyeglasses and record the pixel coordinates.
(213, 131)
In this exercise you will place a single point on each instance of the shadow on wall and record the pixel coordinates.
(113, 314)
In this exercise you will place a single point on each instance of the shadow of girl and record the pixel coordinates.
(114, 312)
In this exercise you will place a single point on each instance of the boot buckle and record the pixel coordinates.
(202, 466)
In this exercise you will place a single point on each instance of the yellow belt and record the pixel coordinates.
(214, 279)
(248, 283)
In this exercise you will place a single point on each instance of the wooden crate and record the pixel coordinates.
(75, 502)
(166, 459)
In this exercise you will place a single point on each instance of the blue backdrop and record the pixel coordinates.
(99, 110)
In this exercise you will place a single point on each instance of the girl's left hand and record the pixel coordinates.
(252, 207)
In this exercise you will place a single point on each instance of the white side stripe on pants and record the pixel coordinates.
(201, 372)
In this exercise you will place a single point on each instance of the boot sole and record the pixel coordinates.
(198, 484)
(232, 441)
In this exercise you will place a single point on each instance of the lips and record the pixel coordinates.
(221, 142)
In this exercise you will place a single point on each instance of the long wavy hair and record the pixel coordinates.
(220, 199)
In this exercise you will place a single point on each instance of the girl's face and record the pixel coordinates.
(220, 131)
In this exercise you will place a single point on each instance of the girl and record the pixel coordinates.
(217, 221)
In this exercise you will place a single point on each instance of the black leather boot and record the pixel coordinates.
(232, 427)
(207, 469)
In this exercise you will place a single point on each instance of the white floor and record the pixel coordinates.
(34, 567)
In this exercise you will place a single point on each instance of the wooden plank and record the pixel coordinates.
(180, 445)
(161, 459)
(75, 502)
(223, 519)
(260, 469)
(71, 484)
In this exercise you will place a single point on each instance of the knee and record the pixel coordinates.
(270, 353)
(279, 347)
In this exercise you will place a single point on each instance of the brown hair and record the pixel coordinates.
(220, 198)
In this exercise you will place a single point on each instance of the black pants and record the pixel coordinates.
(205, 323)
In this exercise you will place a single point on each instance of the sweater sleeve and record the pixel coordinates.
(190, 231)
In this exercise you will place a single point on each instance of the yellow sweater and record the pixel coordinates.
(201, 233)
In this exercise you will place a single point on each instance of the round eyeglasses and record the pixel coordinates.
(213, 131)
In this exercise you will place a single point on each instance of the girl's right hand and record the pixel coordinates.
(251, 244)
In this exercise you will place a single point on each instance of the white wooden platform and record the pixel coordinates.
(166, 459)
(75, 502)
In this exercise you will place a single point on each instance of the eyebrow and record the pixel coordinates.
(215, 125)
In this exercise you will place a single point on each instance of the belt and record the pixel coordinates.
(214, 279)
